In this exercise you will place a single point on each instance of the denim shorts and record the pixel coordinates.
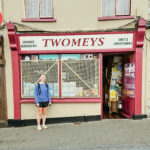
(43, 104)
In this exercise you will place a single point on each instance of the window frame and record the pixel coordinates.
(60, 96)
(116, 17)
(76, 97)
(148, 7)
(39, 19)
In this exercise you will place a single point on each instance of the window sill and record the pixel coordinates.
(115, 18)
(83, 100)
(38, 20)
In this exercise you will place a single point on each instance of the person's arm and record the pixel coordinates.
(49, 97)
(36, 93)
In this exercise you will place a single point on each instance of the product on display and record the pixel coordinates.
(34, 57)
(26, 57)
(87, 56)
(80, 91)
(51, 89)
(72, 88)
(28, 89)
(70, 57)
(115, 88)
(117, 59)
(32, 85)
(48, 57)
(65, 89)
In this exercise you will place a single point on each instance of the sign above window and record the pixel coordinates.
(76, 42)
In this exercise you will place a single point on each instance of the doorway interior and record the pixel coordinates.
(114, 85)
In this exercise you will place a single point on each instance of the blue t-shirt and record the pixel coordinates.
(43, 96)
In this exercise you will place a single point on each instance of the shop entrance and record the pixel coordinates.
(118, 86)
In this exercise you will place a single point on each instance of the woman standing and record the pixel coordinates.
(42, 100)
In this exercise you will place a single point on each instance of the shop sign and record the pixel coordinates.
(77, 42)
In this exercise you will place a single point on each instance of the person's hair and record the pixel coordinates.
(43, 74)
(39, 89)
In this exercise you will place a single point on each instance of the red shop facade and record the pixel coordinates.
(99, 44)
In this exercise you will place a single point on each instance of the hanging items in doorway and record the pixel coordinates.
(115, 85)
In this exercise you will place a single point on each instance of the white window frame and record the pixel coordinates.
(129, 9)
(48, 17)
(149, 7)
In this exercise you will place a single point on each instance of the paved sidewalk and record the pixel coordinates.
(106, 135)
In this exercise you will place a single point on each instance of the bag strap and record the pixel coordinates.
(39, 88)
(46, 84)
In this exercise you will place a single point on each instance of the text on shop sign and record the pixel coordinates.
(76, 42)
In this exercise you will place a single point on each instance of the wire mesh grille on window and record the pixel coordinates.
(31, 71)
(80, 78)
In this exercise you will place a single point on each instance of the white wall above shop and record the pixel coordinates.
(73, 15)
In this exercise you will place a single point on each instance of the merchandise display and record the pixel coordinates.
(54, 89)
(115, 90)
(34, 57)
(26, 57)
(119, 82)
(28, 89)
(113, 83)
(48, 57)
(70, 56)
(79, 74)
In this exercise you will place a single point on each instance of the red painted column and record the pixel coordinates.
(15, 70)
(16, 84)
(138, 57)
(60, 83)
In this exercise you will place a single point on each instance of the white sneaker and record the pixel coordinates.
(39, 128)
(44, 126)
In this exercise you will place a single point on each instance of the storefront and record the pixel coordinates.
(74, 65)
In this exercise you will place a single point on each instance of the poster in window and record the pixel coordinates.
(48, 57)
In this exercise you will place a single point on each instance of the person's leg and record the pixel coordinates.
(44, 116)
(39, 113)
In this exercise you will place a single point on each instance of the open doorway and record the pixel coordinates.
(114, 96)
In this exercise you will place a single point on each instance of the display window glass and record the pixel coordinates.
(77, 74)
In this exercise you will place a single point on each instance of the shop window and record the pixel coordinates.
(38, 9)
(32, 68)
(79, 75)
(115, 8)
